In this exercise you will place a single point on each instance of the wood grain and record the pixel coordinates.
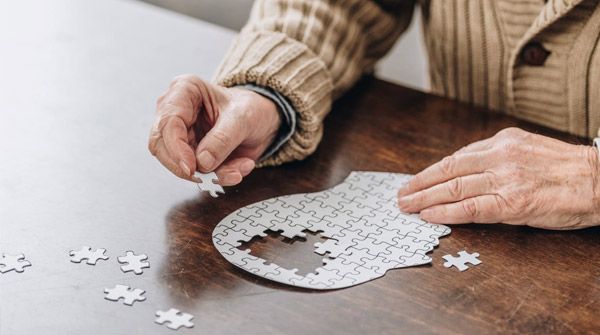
(531, 281)
(77, 97)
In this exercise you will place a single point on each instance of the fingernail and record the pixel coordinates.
(206, 160)
(404, 202)
(186, 169)
(402, 191)
(246, 167)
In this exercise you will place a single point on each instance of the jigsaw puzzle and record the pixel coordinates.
(461, 261)
(367, 233)
(16, 263)
(209, 183)
(126, 293)
(133, 262)
(175, 319)
(86, 254)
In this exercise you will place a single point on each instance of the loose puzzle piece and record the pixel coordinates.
(209, 183)
(461, 261)
(16, 263)
(175, 319)
(367, 233)
(86, 253)
(126, 293)
(133, 262)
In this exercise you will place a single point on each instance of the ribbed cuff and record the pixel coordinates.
(273, 60)
(287, 113)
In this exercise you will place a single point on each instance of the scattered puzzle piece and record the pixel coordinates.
(209, 183)
(174, 318)
(133, 262)
(126, 293)
(367, 233)
(86, 253)
(461, 261)
(16, 263)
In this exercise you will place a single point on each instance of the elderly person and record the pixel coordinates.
(537, 60)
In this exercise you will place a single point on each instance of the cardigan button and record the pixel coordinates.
(534, 54)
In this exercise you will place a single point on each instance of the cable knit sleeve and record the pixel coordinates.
(311, 51)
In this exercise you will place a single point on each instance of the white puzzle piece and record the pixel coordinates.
(16, 263)
(209, 183)
(461, 261)
(87, 254)
(133, 262)
(174, 319)
(368, 234)
(126, 293)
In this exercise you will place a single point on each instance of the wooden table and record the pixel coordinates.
(78, 80)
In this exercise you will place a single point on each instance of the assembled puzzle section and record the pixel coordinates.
(367, 233)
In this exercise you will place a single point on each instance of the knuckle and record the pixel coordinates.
(521, 201)
(160, 99)
(511, 132)
(186, 78)
(152, 147)
(153, 142)
(509, 149)
(447, 165)
(222, 138)
(490, 179)
(470, 208)
(455, 188)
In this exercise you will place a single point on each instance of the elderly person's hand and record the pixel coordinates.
(204, 127)
(514, 177)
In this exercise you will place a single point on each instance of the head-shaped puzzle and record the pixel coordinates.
(367, 234)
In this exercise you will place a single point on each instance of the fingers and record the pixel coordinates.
(481, 209)
(180, 169)
(448, 168)
(451, 191)
(176, 138)
(219, 142)
(171, 138)
(231, 172)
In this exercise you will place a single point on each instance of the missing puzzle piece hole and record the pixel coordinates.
(289, 253)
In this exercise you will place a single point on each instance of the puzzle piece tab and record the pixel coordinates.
(461, 261)
(175, 319)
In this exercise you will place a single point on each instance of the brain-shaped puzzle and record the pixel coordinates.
(367, 234)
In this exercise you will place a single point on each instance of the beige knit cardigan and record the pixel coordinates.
(311, 51)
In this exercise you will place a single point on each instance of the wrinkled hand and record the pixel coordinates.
(204, 127)
(514, 177)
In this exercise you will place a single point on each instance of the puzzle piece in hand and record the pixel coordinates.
(133, 262)
(16, 263)
(175, 319)
(461, 261)
(209, 183)
(86, 253)
(367, 233)
(126, 293)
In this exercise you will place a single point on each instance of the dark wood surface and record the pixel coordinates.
(74, 171)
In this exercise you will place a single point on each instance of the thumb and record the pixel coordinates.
(218, 143)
